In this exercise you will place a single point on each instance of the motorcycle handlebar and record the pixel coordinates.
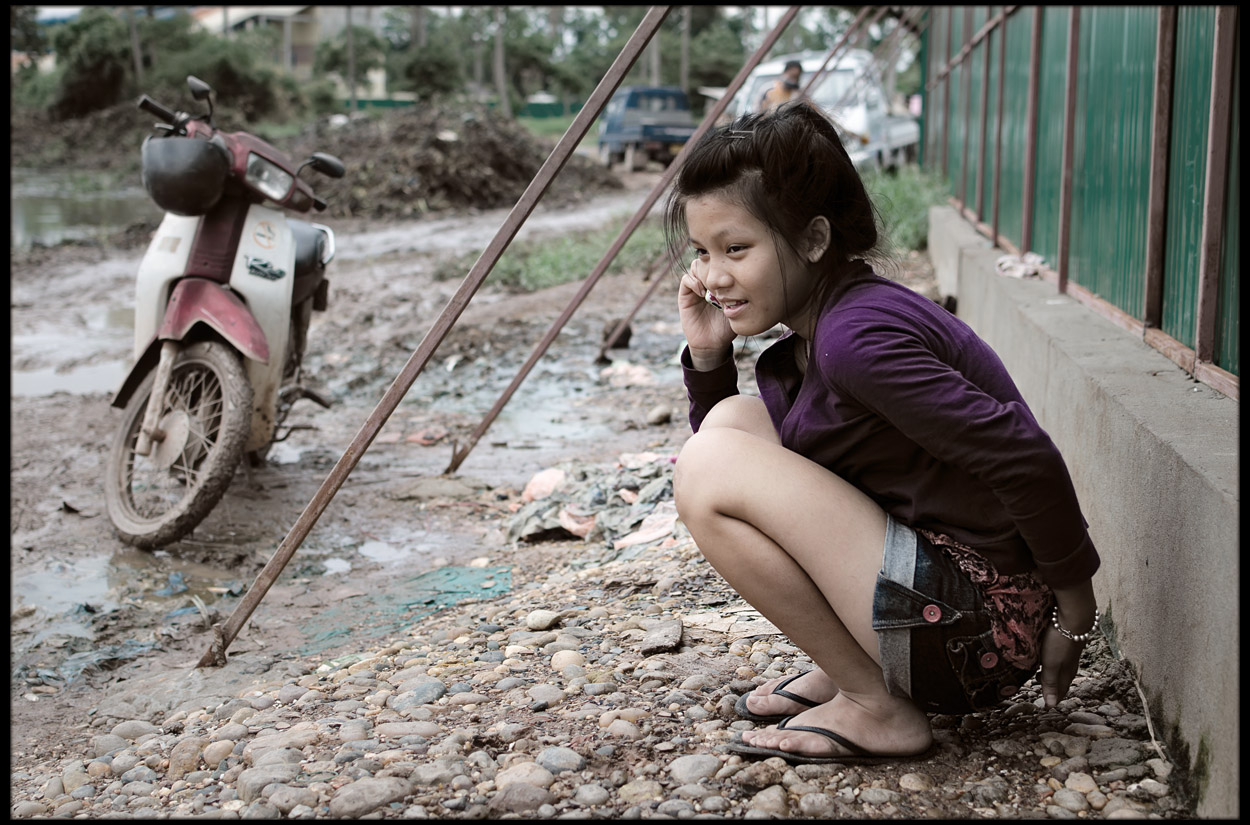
(149, 105)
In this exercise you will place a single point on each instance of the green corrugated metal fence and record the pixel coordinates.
(1112, 150)
(1191, 95)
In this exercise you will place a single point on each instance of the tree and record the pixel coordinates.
(24, 34)
(497, 62)
(93, 59)
(369, 54)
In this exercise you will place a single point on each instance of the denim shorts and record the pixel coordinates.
(933, 631)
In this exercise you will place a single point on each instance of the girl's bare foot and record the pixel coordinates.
(813, 685)
(882, 725)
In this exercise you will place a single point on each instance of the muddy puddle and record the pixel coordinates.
(385, 553)
(48, 208)
(93, 612)
(93, 331)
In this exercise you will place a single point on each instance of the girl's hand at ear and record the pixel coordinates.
(707, 331)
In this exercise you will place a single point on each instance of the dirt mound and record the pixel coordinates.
(103, 141)
(402, 164)
(433, 158)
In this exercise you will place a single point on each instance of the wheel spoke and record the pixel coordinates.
(159, 496)
(153, 490)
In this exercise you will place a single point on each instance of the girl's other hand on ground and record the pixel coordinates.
(707, 331)
(1060, 659)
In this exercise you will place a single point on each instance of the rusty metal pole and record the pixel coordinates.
(1030, 136)
(888, 41)
(1160, 143)
(460, 454)
(620, 328)
(858, 38)
(1069, 133)
(664, 258)
(966, 73)
(655, 273)
(837, 47)
(226, 634)
(985, 123)
(946, 94)
(1215, 187)
(998, 129)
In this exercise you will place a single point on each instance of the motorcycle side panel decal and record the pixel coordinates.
(267, 240)
(264, 269)
(265, 236)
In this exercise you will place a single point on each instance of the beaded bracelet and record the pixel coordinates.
(1078, 637)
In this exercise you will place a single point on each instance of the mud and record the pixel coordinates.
(90, 615)
(102, 632)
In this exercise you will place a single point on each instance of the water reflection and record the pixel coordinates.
(51, 207)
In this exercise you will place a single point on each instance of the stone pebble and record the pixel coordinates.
(588, 692)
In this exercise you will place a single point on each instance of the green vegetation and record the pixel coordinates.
(903, 198)
(528, 266)
(111, 54)
(552, 128)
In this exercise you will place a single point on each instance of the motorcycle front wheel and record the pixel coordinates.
(156, 499)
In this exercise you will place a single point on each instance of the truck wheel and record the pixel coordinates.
(635, 158)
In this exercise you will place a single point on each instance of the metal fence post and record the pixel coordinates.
(1160, 147)
(1069, 131)
(1215, 187)
(1030, 152)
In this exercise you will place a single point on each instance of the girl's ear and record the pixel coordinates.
(816, 239)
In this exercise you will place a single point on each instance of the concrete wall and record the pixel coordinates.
(1154, 456)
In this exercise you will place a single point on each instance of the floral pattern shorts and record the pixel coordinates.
(954, 634)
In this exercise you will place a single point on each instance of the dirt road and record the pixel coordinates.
(90, 613)
(102, 634)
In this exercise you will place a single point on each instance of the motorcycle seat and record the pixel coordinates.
(309, 247)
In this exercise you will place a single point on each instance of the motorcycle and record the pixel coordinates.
(223, 299)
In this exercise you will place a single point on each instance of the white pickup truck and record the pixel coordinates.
(851, 93)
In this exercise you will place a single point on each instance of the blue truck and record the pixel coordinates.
(642, 123)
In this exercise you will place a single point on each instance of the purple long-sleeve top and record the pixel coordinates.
(905, 402)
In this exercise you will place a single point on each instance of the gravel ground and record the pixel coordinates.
(601, 684)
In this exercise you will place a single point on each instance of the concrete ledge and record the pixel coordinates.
(1154, 456)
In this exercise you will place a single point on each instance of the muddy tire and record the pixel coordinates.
(155, 500)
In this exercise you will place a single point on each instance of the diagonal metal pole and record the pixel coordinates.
(837, 47)
(225, 634)
(655, 273)
(646, 296)
(890, 45)
(459, 454)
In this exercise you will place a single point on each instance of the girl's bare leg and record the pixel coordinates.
(803, 547)
(749, 414)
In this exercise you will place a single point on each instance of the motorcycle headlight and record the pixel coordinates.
(268, 178)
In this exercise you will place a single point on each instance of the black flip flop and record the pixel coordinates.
(740, 707)
(857, 755)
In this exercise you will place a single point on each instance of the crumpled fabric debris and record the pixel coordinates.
(625, 506)
(1028, 265)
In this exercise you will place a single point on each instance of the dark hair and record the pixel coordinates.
(785, 168)
(793, 64)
